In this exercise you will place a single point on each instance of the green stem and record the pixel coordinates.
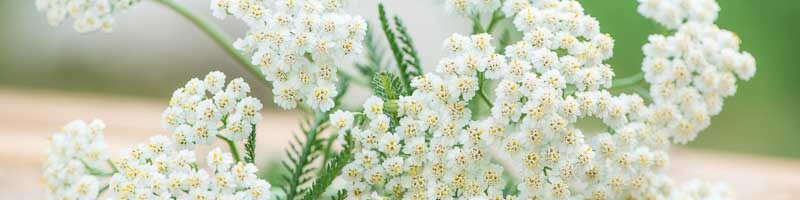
(481, 92)
(232, 146)
(628, 81)
(485, 99)
(476, 24)
(113, 167)
(477, 27)
(216, 34)
(496, 17)
(102, 189)
(98, 172)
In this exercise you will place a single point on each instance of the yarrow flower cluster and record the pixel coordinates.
(431, 140)
(159, 170)
(431, 148)
(559, 39)
(418, 150)
(75, 148)
(691, 71)
(164, 168)
(204, 109)
(298, 44)
(674, 13)
(470, 8)
(88, 15)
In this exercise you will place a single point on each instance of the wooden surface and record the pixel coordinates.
(28, 118)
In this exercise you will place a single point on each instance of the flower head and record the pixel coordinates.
(88, 15)
(74, 150)
(173, 173)
(298, 45)
(203, 109)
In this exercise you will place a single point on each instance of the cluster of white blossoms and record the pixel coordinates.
(674, 13)
(75, 148)
(470, 8)
(164, 168)
(560, 42)
(203, 109)
(691, 71)
(88, 15)
(159, 170)
(423, 146)
(429, 146)
(298, 44)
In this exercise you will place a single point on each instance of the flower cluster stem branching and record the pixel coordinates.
(99, 172)
(481, 91)
(477, 28)
(216, 34)
(497, 15)
(232, 147)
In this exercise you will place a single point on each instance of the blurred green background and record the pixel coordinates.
(152, 51)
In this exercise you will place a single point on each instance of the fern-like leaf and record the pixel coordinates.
(302, 153)
(250, 147)
(300, 156)
(391, 38)
(331, 170)
(340, 195)
(411, 54)
(387, 86)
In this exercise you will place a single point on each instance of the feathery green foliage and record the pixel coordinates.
(332, 169)
(387, 86)
(327, 148)
(250, 147)
(340, 195)
(391, 38)
(408, 46)
(300, 155)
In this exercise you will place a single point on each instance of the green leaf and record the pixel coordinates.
(391, 38)
(387, 86)
(250, 147)
(332, 169)
(408, 46)
(299, 165)
(340, 195)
